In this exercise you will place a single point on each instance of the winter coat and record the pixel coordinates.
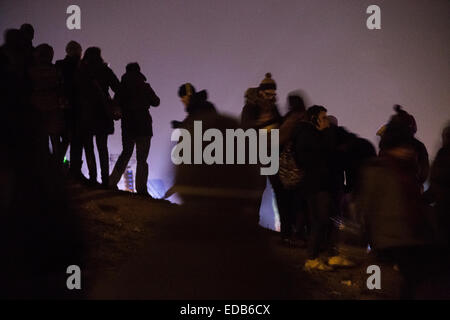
(315, 153)
(440, 175)
(289, 122)
(135, 97)
(258, 113)
(439, 193)
(423, 164)
(400, 134)
(47, 97)
(93, 83)
(68, 68)
(390, 204)
(357, 154)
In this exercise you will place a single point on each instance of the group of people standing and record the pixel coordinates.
(71, 104)
(328, 175)
(326, 172)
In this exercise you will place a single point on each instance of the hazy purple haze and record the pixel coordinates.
(322, 47)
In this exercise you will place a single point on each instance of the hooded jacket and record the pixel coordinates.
(135, 97)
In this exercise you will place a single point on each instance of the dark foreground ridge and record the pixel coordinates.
(142, 248)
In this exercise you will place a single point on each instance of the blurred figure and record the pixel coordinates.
(390, 201)
(219, 224)
(333, 121)
(315, 149)
(261, 112)
(136, 96)
(68, 67)
(291, 201)
(350, 155)
(402, 126)
(211, 183)
(439, 191)
(97, 110)
(47, 98)
(356, 152)
(196, 109)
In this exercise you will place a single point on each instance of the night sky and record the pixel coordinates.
(322, 47)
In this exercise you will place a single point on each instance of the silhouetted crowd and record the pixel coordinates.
(328, 177)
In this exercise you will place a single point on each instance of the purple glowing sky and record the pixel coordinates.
(322, 47)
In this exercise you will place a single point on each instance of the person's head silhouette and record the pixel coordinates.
(27, 31)
(73, 49)
(93, 55)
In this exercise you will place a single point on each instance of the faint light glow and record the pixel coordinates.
(156, 188)
(129, 182)
(277, 223)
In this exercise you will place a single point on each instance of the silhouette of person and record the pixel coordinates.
(261, 112)
(291, 201)
(39, 231)
(315, 148)
(195, 109)
(94, 80)
(68, 67)
(390, 199)
(47, 98)
(135, 96)
(439, 191)
(403, 126)
(27, 32)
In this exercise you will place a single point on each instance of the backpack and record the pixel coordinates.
(289, 172)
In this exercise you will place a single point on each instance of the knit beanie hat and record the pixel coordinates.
(268, 83)
(186, 89)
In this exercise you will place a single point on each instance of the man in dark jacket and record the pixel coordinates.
(196, 105)
(68, 68)
(136, 96)
(315, 150)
